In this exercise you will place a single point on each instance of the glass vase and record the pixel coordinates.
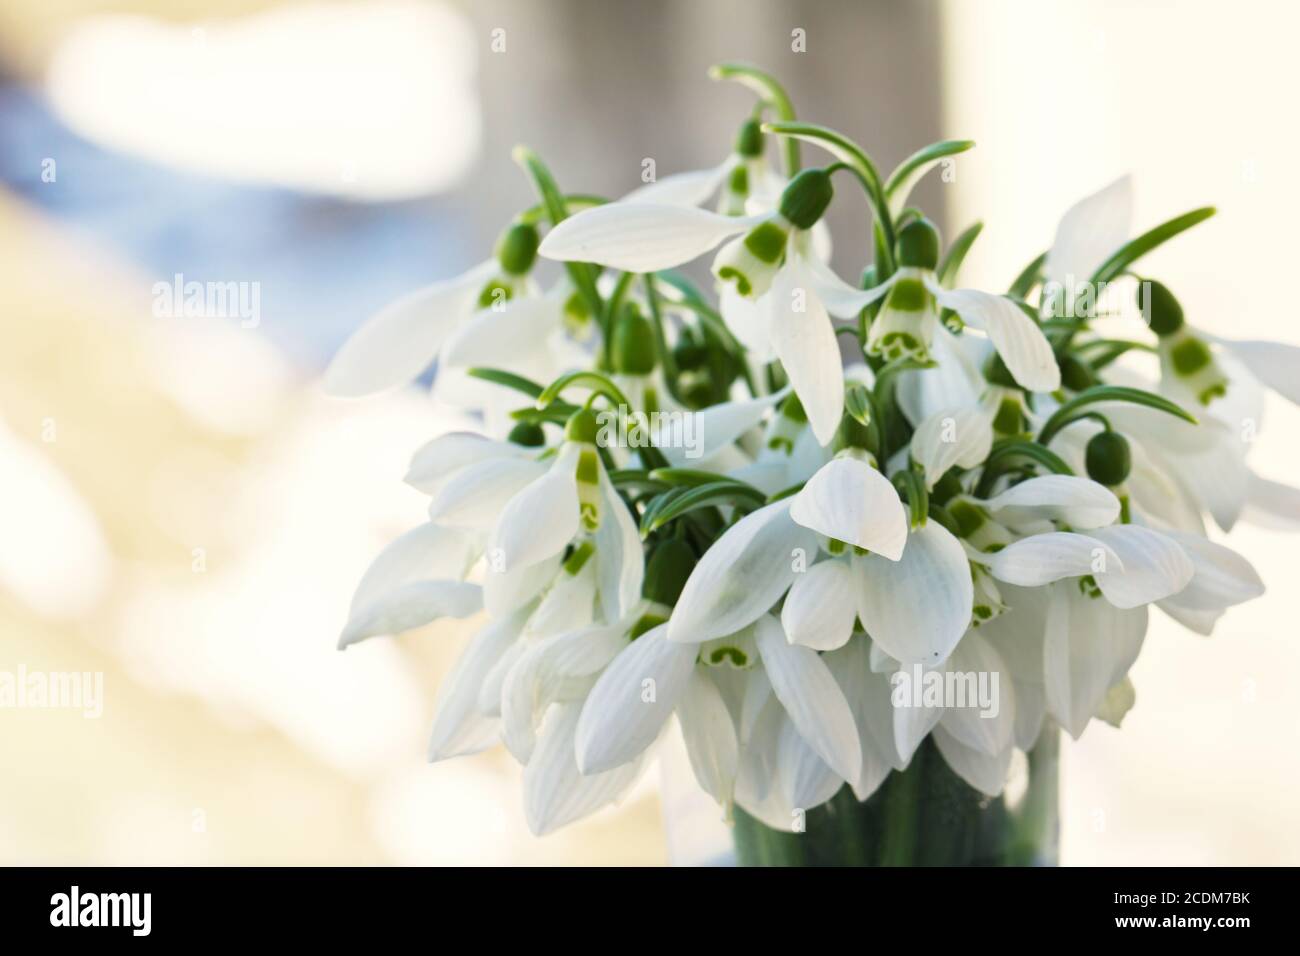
(922, 816)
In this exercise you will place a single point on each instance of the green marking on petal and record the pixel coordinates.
(766, 242)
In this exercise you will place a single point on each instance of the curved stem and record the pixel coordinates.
(771, 93)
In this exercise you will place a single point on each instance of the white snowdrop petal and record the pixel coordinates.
(473, 497)
(1079, 502)
(1154, 566)
(1276, 364)
(555, 793)
(868, 696)
(458, 726)
(710, 736)
(702, 434)
(517, 327)
(402, 339)
(806, 344)
(987, 715)
(568, 604)
(690, 188)
(912, 721)
(954, 382)
(550, 670)
(541, 520)
(620, 558)
(1023, 347)
(804, 686)
(918, 607)
(632, 699)
(1089, 647)
(805, 779)
(425, 553)
(840, 299)
(820, 610)
(1090, 231)
(849, 500)
(438, 459)
(758, 691)
(986, 773)
(750, 321)
(742, 575)
(1271, 504)
(954, 436)
(1221, 577)
(507, 588)
(409, 606)
(1043, 558)
(640, 237)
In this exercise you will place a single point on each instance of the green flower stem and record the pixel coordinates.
(557, 211)
(856, 158)
(922, 816)
(772, 94)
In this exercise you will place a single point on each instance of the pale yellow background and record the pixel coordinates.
(233, 732)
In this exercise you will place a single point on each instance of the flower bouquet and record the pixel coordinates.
(868, 545)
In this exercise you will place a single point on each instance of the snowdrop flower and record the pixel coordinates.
(402, 339)
(908, 319)
(1095, 624)
(775, 253)
(573, 504)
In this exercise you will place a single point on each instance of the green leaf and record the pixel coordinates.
(690, 477)
(701, 496)
(956, 254)
(1007, 451)
(1101, 352)
(911, 170)
(507, 379)
(535, 214)
(595, 381)
(772, 94)
(1028, 277)
(1134, 249)
(1108, 393)
(557, 211)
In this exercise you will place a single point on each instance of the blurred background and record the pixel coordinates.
(182, 511)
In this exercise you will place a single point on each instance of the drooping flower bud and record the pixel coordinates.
(517, 249)
(528, 434)
(1108, 458)
(582, 427)
(750, 139)
(806, 198)
(634, 347)
(918, 245)
(1162, 311)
